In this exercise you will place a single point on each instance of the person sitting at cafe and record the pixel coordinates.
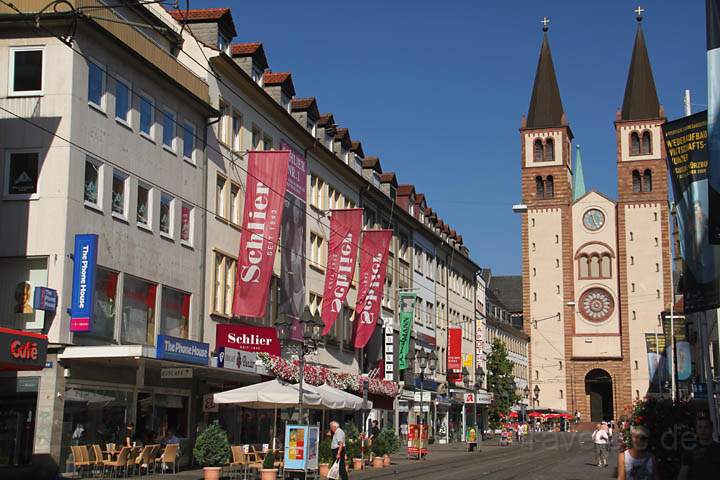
(130, 439)
(171, 437)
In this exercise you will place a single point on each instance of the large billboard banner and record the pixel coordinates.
(373, 267)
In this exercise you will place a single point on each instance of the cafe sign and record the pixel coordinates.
(22, 350)
(234, 359)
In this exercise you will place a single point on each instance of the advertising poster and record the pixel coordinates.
(292, 255)
(417, 439)
(683, 357)
(373, 267)
(686, 145)
(657, 370)
(713, 115)
(295, 451)
(84, 264)
(407, 310)
(262, 218)
(313, 445)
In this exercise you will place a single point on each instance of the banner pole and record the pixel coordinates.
(672, 312)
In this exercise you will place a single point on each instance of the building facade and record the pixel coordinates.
(595, 270)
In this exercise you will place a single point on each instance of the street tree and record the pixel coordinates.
(500, 382)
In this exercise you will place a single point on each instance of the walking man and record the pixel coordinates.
(338, 447)
(600, 439)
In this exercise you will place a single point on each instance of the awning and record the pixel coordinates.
(272, 394)
(21, 350)
(335, 398)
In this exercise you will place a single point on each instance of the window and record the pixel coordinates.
(549, 150)
(168, 135)
(166, 215)
(146, 115)
(224, 125)
(418, 259)
(636, 182)
(538, 150)
(174, 313)
(235, 204)
(317, 192)
(539, 187)
(220, 197)
(647, 181)
(224, 284)
(267, 143)
(316, 250)
(26, 71)
(237, 131)
(315, 303)
(646, 144)
(102, 323)
(605, 267)
(634, 143)
(549, 187)
(143, 206)
(22, 169)
(119, 197)
(189, 141)
(122, 101)
(256, 138)
(91, 188)
(96, 85)
(138, 313)
(187, 224)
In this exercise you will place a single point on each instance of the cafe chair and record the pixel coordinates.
(120, 464)
(98, 461)
(79, 460)
(144, 460)
(131, 459)
(169, 456)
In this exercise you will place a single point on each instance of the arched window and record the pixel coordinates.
(647, 181)
(538, 150)
(549, 150)
(584, 266)
(539, 187)
(594, 266)
(646, 144)
(549, 187)
(636, 181)
(634, 143)
(605, 267)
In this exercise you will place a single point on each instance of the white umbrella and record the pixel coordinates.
(271, 394)
(346, 401)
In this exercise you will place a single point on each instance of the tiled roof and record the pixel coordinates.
(357, 148)
(252, 49)
(374, 163)
(342, 135)
(405, 189)
(388, 177)
(302, 104)
(326, 119)
(203, 15)
(281, 79)
(508, 289)
(419, 198)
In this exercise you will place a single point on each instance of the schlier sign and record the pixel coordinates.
(246, 338)
(22, 350)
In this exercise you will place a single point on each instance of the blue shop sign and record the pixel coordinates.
(45, 299)
(182, 350)
(83, 288)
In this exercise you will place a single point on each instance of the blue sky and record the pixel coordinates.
(437, 89)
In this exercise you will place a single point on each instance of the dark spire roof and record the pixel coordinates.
(546, 108)
(641, 100)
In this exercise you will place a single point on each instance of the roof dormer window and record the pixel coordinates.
(223, 43)
(376, 180)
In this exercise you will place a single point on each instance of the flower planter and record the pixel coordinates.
(357, 463)
(377, 462)
(211, 473)
(324, 468)
(268, 474)
(386, 460)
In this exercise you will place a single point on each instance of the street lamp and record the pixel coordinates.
(311, 335)
(424, 361)
(536, 391)
(526, 396)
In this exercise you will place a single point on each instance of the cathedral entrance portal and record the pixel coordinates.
(598, 384)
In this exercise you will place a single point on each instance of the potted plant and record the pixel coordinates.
(392, 444)
(353, 444)
(325, 457)
(268, 472)
(212, 450)
(379, 450)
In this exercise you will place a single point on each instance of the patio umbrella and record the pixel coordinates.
(344, 400)
(534, 415)
(272, 394)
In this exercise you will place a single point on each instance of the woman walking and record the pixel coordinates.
(636, 463)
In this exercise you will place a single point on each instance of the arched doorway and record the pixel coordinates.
(598, 384)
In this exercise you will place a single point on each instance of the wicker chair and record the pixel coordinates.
(169, 456)
(120, 464)
(79, 460)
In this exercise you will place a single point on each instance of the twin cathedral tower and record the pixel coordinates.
(596, 271)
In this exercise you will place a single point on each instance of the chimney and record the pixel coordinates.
(251, 58)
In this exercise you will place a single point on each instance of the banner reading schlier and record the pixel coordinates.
(262, 217)
(373, 267)
(345, 226)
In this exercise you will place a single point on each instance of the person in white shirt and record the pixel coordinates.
(600, 439)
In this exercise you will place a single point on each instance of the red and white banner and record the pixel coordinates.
(247, 338)
(345, 227)
(373, 267)
(262, 218)
(454, 352)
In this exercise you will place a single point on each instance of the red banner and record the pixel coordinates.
(262, 217)
(345, 226)
(373, 267)
(454, 352)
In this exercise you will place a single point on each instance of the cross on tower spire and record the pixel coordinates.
(639, 11)
(545, 22)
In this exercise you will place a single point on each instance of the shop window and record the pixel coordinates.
(138, 313)
(166, 215)
(18, 279)
(122, 101)
(91, 188)
(102, 323)
(22, 169)
(187, 224)
(96, 85)
(144, 206)
(18, 411)
(119, 194)
(174, 313)
(26, 71)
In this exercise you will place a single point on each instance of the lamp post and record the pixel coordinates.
(536, 391)
(311, 335)
(526, 396)
(479, 378)
(430, 362)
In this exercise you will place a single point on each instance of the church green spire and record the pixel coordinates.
(578, 177)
